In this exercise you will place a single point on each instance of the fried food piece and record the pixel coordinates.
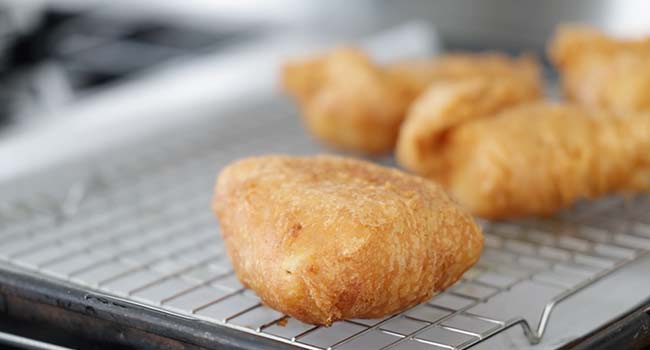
(603, 72)
(354, 104)
(348, 101)
(417, 76)
(532, 158)
(329, 238)
(444, 107)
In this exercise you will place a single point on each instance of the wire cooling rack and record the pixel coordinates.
(139, 228)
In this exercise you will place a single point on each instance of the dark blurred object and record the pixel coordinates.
(65, 53)
(25, 49)
(6, 36)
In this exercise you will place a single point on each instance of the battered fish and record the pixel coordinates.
(353, 104)
(329, 238)
(603, 72)
(501, 160)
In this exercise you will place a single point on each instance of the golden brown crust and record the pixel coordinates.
(602, 72)
(538, 158)
(532, 158)
(347, 101)
(417, 76)
(328, 238)
(445, 106)
(354, 104)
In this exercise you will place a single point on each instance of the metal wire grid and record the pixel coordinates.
(142, 230)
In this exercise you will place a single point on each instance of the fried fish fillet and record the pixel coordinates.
(603, 72)
(329, 238)
(347, 101)
(354, 104)
(415, 76)
(502, 160)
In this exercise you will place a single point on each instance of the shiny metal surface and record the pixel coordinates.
(26, 343)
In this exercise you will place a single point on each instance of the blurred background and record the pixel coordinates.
(70, 69)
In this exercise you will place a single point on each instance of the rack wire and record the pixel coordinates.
(139, 228)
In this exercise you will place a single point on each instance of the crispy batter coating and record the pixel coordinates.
(529, 159)
(603, 72)
(347, 101)
(354, 104)
(329, 238)
(443, 107)
(417, 76)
